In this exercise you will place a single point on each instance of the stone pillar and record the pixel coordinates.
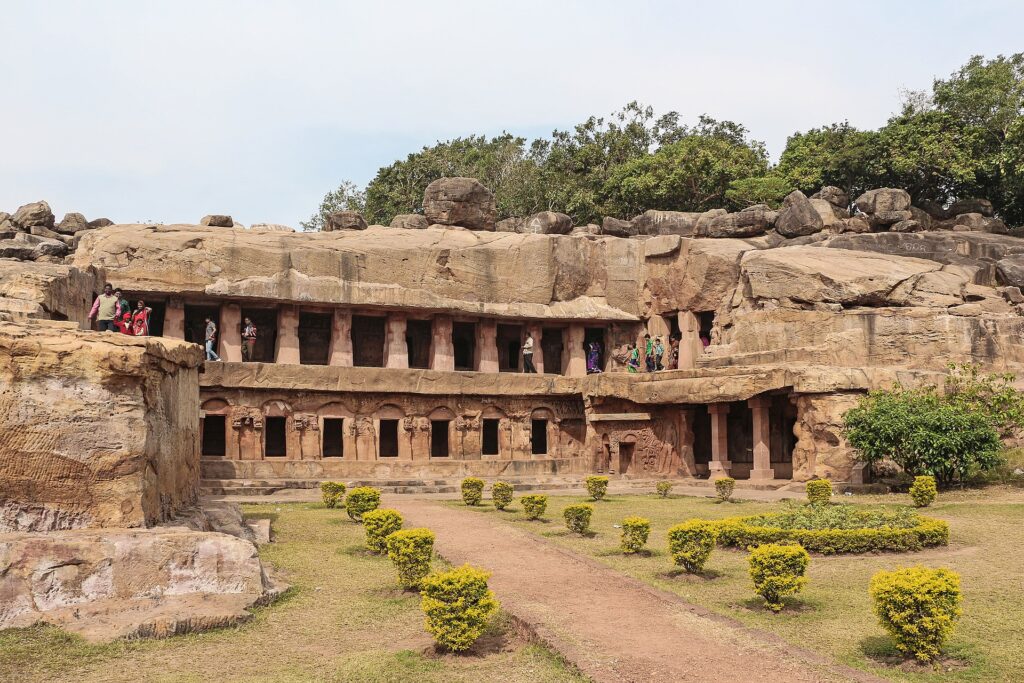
(287, 336)
(487, 346)
(396, 349)
(341, 339)
(690, 348)
(443, 349)
(719, 465)
(174, 319)
(762, 439)
(230, 333)
(535, 331)
(577, 365)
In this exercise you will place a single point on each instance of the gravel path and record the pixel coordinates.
(612, 627)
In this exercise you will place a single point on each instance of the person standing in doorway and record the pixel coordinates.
(211, 339)
(528, 354)
(140, 319)
(105, 309)
(248, 340)
(659, 354)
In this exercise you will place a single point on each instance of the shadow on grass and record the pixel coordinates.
(358, 550)
(692, 577)
(881, 650)
(791, 606)
(617, 552)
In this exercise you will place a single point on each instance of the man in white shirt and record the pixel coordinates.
(528, 354)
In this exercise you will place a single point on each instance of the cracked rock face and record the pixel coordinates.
(464, 202)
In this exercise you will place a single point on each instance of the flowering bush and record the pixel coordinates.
(501, 494)
(472, 490)
(410, 550)
(819, 491)
(923, 491)
(663, 488)
(597, 486)
(691, 543)
(379, 525)
(534, 505)
(724, 487)
(361, 500)
(332, 492)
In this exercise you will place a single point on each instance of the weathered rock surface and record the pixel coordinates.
(547, 223)
(43, 290)
(460, 201)
(982, 206)
(72, 223)
(513, 224)
(798, 216)
(410, 221)
(100, 223)
(617, 227)
(271, 227)
(36, 213)
(345, 220)
(96, 430)
(218, 221)
(680, 223)
(747, 223)
(27, 247)
(883, 200)
(834, 196)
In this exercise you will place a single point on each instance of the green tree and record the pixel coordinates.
(348, 197)
(838, 154)
(770, 189)
(991, 394)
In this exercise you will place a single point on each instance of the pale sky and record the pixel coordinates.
(167, 111)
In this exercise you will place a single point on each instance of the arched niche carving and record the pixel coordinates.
(441, 413)
(542, 414)
(335, 409)
(492, 412)
(389, 411)
(276, 408)
(216, 406)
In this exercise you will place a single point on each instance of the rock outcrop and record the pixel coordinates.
(464, 202)
(798, 216)
(36, 213)
(410, 221)
(218, 221)
(680, 223)
(547, 223)
(72, 223)
(345, 220)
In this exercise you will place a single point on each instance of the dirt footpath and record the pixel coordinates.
(612, 627)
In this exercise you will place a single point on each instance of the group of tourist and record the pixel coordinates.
(593, 356)
(653, 355)
(248, 339)
(113, 313)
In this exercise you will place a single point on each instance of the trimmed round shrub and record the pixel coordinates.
(724, 487)
(918, 606)
(458, 606)
(597, 486)
(361, 500)
(410, 551)
(819, 491)
(472, 490)
(501, 494)
(691, 543)
(778, 571)
(663, 488)
(923, 491)
(534, 505)
(577, 517)
(380, 524)
(333, 492)
(635, 531)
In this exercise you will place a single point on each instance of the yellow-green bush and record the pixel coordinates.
(923, 491)
(577, 517)
(778, 571)
(918, 606)
(501, 494)
(691, 543)
(379, 525)
(663, 488)
(744, 532)
(410, 551)
(635, 531)
(458, 606)
(819, 491)
(597, 486)
(472, 490)
(361, 500)
(534, 505)
(724, 487)
(332, 492)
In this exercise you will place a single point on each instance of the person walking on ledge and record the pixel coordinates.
(211, 339)
(105, 309)
(528, 354)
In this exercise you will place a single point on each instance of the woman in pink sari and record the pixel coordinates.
(140, 319)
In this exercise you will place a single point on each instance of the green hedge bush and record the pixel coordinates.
(691, 543)
(923, 491)
(724, 487)
(361, 500)
(663, 488)
(635, 531)
(534, 505)
(501, 494)
(597, 486)
(458, 606)
(819, 491)
(410, 550)
(379, 525)
(333, 492)
(918, 606)
(472, 490)
(778, 571)
(577, 517)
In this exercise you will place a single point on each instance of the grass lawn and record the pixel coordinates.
(345, 619)
(833, 615)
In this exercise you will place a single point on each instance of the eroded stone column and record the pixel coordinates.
(287, 336)
(537, 333)
(341, 339)
(577, 365)
(231, 333)
(762, 439)
(396, 351)
(719, 465)
(487, 346)
(174, 319)
(443, 356)
(690, 347)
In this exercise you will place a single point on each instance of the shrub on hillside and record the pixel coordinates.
(635, 531)
(819, 491)
(918, 606)
(534, 505)
(663, 488)
(379, 525)
(501, 494)
(597, 486)
(361, 500)
(458, 606)
(724, 487)
(472, 490)
(778, 571)
(410, 551)
(333, 492)
(691, 543)
(923, 491)
(577, 517)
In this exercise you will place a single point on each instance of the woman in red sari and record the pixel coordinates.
(140, 319)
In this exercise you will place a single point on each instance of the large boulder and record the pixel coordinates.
(704, 221)
(682, 223)
(6, 225)
(410, 221)
(937, 211)
(28, 247)
(460, 201)
(72, 223)
(907, 225)
(976, 222)
(855, 224)
(617, 227)
(750, 222)
(345, 220)
(830, 215)
(513, 224)
(924, 219)
(36, 213)
(547, 223)
(1010, 271)
(100, 223)
(834, 196)
(217, 221)
(882, 200)
(961, 206)
(798, 217)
